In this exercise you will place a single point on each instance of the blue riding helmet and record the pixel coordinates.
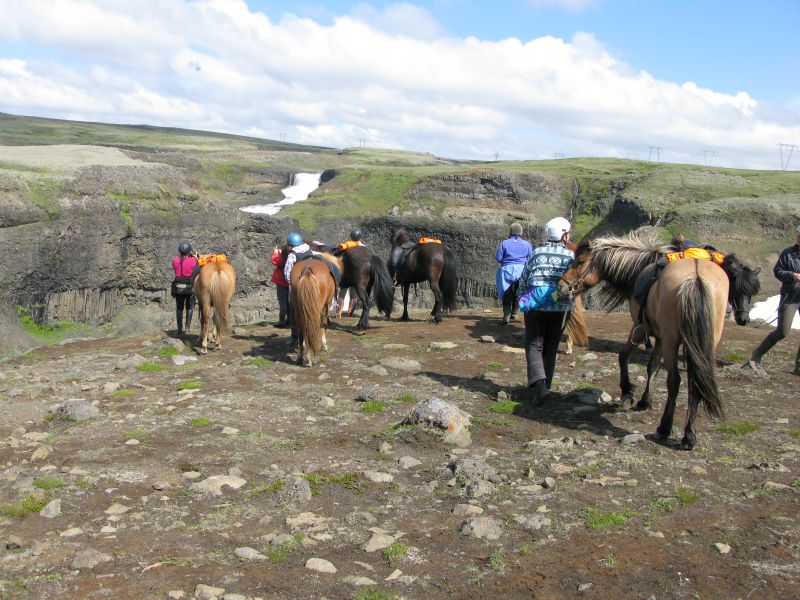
(294, 239)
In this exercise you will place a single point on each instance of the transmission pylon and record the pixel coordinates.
(708, 156)
(787, 149)
(657, 150)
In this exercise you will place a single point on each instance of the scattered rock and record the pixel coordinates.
(229, 431)
(487, 339)
(130, 361)
(320, 565)
(378, 541)
(117, 509)
(176, 595)
(378, 477)
(327, 402)
(359, 581)
(534, 523)
(402, 364)
(13, 542)
(366, 395)
(89, 559)
(632, 438)
(408, 462)
(769, 466)
(181, 359)
(443, 345)
(377, 370)
(248, 553)
(40, 453)
(548, 483)
(52, 509)
(476, 489)
(467, 510)
(512, 350)
(298, 489)
(723, 548)
(215, 483)
(76, 409)
(588, 356)
(207, 592)
(444, 417)
(474, 469)
(306, 520)
(772, 485)
(110, 387)
(582, 587)
(482, 528)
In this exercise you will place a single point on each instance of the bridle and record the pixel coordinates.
(574, 286)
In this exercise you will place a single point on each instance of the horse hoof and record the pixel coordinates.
(687, 444)
(662, 435)
(405, 318)
(643, 406)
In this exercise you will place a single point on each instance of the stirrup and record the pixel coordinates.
(638, 335)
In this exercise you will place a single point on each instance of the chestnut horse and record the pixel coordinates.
(213, 288)
(432, 262)
(312, 291)
(686, 306)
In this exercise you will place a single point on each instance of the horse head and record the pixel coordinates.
(399, 236)
(580, 276)
(744, 284)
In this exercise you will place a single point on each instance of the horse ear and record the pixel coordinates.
(757, 270)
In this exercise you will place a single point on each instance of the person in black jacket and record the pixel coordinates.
(787, 270)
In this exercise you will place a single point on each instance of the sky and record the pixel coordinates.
(691, 81)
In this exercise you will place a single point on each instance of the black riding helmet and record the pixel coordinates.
(184, 248)
(355, 234)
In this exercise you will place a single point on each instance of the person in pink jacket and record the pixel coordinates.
(183, 266)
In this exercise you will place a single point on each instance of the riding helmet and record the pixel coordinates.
(355, 234)
(556, 228)
(184, 248)
(294, 239)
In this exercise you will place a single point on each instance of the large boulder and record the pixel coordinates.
(443, 418)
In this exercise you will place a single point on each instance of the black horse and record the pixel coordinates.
(363, 270)
(432, 262)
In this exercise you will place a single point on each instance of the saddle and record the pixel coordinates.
(399, 255)
(335, 272)
(650, 274)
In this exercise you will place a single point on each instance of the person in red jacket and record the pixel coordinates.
(281, 285)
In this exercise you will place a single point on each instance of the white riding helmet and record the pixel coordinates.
(556, 228)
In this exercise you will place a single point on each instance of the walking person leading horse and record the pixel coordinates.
(512, 255)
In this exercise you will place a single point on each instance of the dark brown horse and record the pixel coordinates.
(432, 262)
(363, 270)
(213, 288)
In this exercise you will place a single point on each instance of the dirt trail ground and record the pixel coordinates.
(566, 507)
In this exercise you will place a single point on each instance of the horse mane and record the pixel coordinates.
(619, 260)
(744, 280)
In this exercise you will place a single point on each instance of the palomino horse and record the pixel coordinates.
(576, 330)
(213, 288)
(312, 291)
(363, 270)
(686, 306)
(431, 262)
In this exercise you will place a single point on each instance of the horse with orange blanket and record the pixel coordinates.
(213, 287)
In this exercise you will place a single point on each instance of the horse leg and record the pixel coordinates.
(673, 385)
(568, 345)
(363, 296)
(323, 324)
(653, 366)
(436, 312)
(205, 314)
(405, 302)
(625, 387)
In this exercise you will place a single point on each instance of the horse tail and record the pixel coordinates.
(382, 286)
(696, 327)
(448, 282)
(309, 308)
(222, 285)
(577, 330)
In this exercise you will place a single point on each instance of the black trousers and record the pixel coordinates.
(510, 301)
(542, 335)
(182, 302)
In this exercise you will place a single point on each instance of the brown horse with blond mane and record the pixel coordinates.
(213, 288)
(312, 291)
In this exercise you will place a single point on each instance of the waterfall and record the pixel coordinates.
(300, 187)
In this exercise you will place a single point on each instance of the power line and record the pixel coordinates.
(557, 155)
(657, 150)
(708, 156)
(788, 148)
(496, 156)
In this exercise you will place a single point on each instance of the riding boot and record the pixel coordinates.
(188, 318)
(762, 349)
(180, 322)
(506, 314)
(797, 362)
(537, 392)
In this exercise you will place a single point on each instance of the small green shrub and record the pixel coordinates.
(609, 561)
(123, 393)
(738, 428)
(200, 422)
(190, 385)
(259, 361)
(47, 483)
(598, 519)
(134, 433)
(373, 594)
(270, 488)
(686, 497)
(346, 480)
(734, 357)
(503, 406)
(21, 509)
(167, 351)
(405, 398)
(373, 406)
(394, 552)
(496, 561)
(149, 367)
(495, 365)
(795, 433)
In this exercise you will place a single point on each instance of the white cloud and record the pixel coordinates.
(570, 5)
(388, 77)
